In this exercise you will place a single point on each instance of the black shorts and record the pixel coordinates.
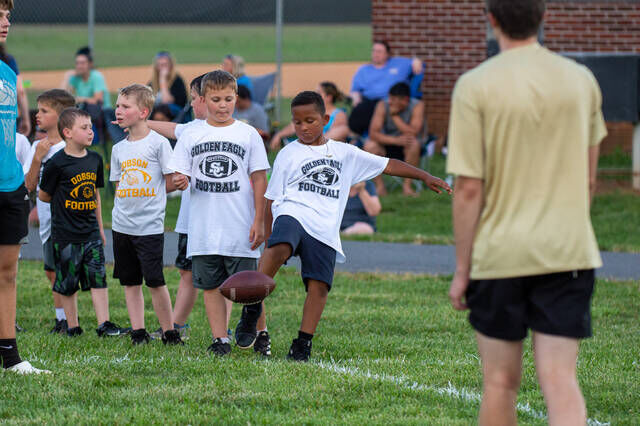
(317, 259)
(47, 255)
(182, 261)
(79, 265)
(211, 270)
(138, 257)
(557, 304)
(14, 216)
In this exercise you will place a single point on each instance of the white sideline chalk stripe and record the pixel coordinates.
(450, 390)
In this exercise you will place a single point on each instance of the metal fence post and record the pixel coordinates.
(636, 157)
(91, 21)
(279, 7)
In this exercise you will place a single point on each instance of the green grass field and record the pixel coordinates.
(389, 350)
(51, 47)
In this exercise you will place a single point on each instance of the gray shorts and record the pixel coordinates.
(47, 255)
(210, 271)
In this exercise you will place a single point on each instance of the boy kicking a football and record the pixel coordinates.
(306, 198)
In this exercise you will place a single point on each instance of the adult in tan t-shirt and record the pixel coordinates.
(524, 134)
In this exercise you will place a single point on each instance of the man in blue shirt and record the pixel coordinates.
(14, 209)
(372, 82)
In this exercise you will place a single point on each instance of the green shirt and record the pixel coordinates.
(87, 89)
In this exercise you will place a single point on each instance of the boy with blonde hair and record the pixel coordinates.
(139, 168)
(223, 161)
(50, 105)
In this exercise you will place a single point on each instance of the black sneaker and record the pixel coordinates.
(219, 348)
(140, 336)
(108, 328)
(246, 328)
(172, 337)
(60, 327)
(300, 350)
(74, 332)
(262, 344)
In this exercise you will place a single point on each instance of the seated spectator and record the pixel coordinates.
(161, 112)
(335, 129)
(372, 82)
(251, 113)
(234, 65)
(396, 128)
(167, 84)
(362, 208)
(24, 121)
(86, 83)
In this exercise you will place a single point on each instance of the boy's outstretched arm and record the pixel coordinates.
(165, 128)
(402, 169)
(259, 183)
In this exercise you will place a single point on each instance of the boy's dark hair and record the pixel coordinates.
(400, 89)
(309, 98)
(6, 4)
(86, 51)
(68, 118)
(385, 44)
(518, 19)
(57, 99)
(243, 92)
(218, 80)
(196, 84)
(162, 109)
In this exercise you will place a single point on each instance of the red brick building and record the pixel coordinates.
(451, 36)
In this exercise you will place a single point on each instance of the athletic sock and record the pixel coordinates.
(264, 329)
(304, 336)
(60, 314)
(9, 353)
(225, 340)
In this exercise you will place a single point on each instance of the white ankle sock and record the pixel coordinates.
(60, 314)
(224, 340)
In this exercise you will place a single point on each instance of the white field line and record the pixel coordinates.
(450, 390)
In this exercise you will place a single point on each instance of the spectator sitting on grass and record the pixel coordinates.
(234, 65)
(362, 208)
(85, 83)
(335, 129)
(251, 113)
(167, 85)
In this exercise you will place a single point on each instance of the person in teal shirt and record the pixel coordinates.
(87, 84)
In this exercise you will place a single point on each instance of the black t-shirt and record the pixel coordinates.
(72, 183)
(179, 91)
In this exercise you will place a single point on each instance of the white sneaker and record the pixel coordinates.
(26, 368)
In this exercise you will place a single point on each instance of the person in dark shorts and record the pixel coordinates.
(524, 133)
(70, 182)
(307, 195)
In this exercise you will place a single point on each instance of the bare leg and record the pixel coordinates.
(556, 359)
(8, 272)
(135, 305)
(162, 306)
(317, 293)
(57, 301)
(100, 298)
(70, 304)
(185, 299)
(270, 262)
(411, 156)
(229, 305)
(214, 303)
(359, 228)
(501, 371)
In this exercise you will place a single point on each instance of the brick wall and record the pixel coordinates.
(450, 35)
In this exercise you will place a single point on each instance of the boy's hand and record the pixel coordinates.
(42, 149)
(103, 237)
(457, 291)
(435, 184)
(180, 181)
(256, 234)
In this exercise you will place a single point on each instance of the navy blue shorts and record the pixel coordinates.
(318, 259)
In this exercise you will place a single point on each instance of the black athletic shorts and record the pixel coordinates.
(14, 215)
(47, 255)
(182, 261)
(317, 259)
(138, 257)
(557, 304)
(211, 270)
(79, 265)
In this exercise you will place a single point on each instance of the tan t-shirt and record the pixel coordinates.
(523, 122)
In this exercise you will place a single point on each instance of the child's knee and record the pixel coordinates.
(317, 288)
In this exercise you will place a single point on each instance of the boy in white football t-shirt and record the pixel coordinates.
(50, 104)
(139, 165)
(307, 195)
(225, 162)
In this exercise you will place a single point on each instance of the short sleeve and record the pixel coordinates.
(180, 158)
(275, 189)
(115, 171)
(99, 172)
(466, 148)
(179, 129)
(356, 83)
(99, 84)
(164, 156)
(258, 154)
(366, 165)
(23, 148)
(27, 162)
(598, 128)
(50, 177)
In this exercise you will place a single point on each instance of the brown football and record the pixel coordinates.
(247, 287)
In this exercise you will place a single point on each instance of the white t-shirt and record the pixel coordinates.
(22, 148)
(311, 183)
(182, 225)
(44, 209)
(219, 161)
(141, 196)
